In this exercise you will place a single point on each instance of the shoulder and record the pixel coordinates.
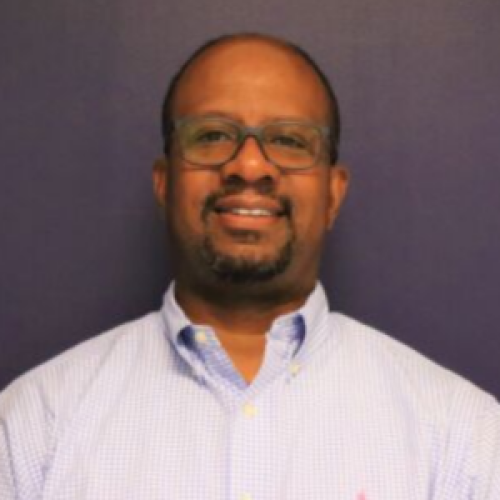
(57, 386)
(460, 420)
(38, 408)
(429, 384)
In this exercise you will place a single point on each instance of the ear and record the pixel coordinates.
(160, 181)
(339, 182)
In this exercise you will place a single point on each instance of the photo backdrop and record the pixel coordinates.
(416, 250)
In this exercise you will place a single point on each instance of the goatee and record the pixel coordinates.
(245, 270)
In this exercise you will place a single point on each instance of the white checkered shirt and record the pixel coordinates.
(155, 410)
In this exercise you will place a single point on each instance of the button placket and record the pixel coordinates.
(245, 435)
(294, 368)
(249, 410)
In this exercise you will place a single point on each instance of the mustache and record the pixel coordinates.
(210, 202)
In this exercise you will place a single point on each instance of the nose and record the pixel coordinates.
(251, 167)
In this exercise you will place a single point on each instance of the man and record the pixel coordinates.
(244, 386)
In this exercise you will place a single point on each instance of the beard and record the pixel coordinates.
(239, 269)
(228, 267)
(245, 270)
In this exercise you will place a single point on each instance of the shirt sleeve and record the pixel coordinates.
(469, 463)
(7, 485)
(486, 463)
(25, 435)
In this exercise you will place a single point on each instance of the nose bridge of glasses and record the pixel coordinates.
(254, 133)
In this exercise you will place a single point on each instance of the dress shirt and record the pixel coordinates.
(155, 410)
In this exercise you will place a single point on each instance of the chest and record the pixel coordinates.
(291, 441)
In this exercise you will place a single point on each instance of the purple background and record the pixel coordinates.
(416, 250)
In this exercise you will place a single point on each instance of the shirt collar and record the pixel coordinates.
(313, 314)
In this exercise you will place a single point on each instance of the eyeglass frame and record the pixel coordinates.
(256, 133)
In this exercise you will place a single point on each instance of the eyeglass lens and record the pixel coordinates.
(208, 141)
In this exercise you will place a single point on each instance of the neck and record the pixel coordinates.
(240, 320)
(238, 308)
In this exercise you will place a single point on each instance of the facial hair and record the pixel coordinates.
(245, 270)
(240, 270)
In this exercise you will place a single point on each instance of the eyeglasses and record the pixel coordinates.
(213, 141)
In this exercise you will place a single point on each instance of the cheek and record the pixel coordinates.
(187, 197)
(312, 207)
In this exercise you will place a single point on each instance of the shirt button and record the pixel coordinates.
(295, 368)
(245, 496)
(201, 337)
(249, 411)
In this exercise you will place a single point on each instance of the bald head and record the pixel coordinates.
(217, 58)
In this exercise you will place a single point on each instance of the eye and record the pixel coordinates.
(288, 141)
(211, 136)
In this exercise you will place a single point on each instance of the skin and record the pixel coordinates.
(253, 81)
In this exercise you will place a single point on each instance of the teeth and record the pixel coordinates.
(252, 212)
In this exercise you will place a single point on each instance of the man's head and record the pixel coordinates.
(334, 112)
(251, 221)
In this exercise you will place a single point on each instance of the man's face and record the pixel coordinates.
(249, 221)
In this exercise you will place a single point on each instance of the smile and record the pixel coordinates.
(248, 212)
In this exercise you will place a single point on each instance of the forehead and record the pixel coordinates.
(257, 79)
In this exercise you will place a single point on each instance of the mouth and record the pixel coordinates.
(250, 212)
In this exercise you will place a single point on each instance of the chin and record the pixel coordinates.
(245, 269)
